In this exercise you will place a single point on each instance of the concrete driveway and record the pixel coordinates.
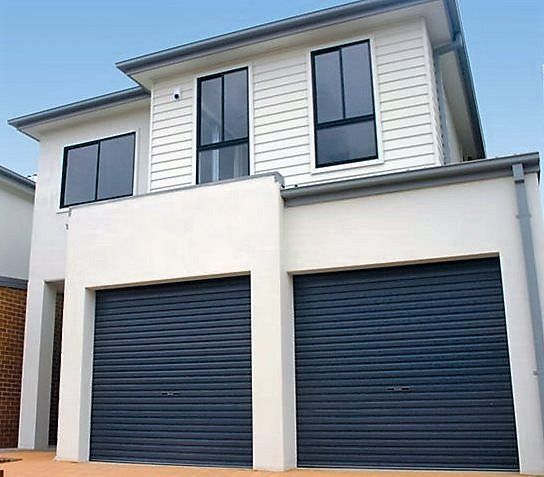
(42, 464)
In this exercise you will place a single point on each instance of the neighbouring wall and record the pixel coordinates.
(12, 332)
(15, 229)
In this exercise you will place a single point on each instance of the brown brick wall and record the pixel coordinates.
(12, 332)
(55, 372)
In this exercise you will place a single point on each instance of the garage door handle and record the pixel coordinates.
(169, 393)
(399, 389)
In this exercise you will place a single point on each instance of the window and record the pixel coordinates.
(345, 128)
(223, 127)
(98, 170)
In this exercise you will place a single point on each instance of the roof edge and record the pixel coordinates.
(263, 32)
(17, 179)
(87, 105)
(470, 171)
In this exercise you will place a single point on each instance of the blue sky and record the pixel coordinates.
(57, 51)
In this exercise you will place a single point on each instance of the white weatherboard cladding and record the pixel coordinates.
(171, 136)
(281, 108)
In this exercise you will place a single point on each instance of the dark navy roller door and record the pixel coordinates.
(172, 374)
(404, 367)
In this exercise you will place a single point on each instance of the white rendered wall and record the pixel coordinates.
(16, 207)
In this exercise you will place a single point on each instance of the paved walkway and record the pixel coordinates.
(42, 464)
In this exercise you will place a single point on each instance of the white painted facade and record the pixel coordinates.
(16, 207)
(168, 231)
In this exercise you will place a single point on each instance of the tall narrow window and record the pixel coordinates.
(98, 170)
(223, 126)
(345, 125)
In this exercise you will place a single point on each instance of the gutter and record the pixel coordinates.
(531, 277)
(416, 179)
(17, 179)
(87, 105)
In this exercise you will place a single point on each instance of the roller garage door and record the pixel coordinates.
(404, 367)
(172, 374)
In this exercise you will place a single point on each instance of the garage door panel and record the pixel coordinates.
(172, 374)
(187, 345)
(418, 296)
(189, 314)
(158, 454)
(173, 325)
(376, 458)
(195, 353)
(391, 360)
(334, 313)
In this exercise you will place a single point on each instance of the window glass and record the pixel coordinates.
(328, 85)
(223, 163)
(344, 143)
(235, 95)
(80, 174)
(116, 167)
(211, 110)
(357, 80)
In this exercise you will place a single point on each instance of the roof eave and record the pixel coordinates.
(12, 177)
(23, 123)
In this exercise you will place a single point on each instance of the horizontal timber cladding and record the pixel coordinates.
(404, 367)
(172, 374)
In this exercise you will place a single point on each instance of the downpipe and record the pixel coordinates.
(531, 277)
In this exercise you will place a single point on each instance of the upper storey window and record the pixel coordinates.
(223, 126)
(98, 170)
(345, 125)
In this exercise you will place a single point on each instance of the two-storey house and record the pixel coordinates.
(286, 248)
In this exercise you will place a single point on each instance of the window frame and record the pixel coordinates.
(97, 142)
(198, 148)
(356, 162)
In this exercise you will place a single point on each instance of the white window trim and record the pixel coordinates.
(314, 170)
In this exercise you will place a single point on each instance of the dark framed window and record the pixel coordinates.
(344, 118)
(223, 126)
(98, 170)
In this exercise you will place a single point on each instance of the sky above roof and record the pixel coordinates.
(59, 51)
